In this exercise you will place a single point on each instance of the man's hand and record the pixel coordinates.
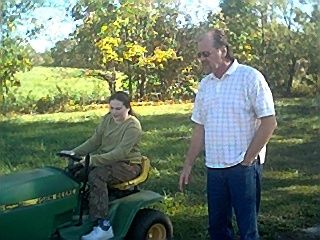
(196, 145)
(247, 162)
(83, 161)
(184, 177)
(260, 139)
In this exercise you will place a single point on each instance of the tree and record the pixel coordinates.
(13, 51)
(137, 38)
(311, 73)
(288, 39)
(270, 36)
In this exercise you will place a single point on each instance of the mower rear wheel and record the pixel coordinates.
(150, 224)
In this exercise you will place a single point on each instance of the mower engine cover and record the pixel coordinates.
(33, 204)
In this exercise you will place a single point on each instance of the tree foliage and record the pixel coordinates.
(276, 37)
(148, 47)
(14, 51)
(153, 43)
(142, 39)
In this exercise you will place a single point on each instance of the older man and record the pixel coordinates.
(234, 119)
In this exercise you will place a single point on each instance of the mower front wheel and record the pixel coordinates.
(150, 224)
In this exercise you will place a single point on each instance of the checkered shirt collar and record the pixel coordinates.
(230, 70)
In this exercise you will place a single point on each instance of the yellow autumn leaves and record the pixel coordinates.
(135, 53)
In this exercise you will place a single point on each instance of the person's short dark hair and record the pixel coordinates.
(124, 98)
(219, 39)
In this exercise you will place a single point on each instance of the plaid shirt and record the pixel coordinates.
(230, 108)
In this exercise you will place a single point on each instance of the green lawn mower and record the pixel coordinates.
(50, 203)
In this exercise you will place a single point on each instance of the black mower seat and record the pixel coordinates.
(145, 167)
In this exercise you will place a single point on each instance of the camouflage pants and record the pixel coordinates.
(100, 178)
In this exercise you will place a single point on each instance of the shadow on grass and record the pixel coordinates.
(41, 140)
(20, 142)
(303, 157)
(290, 198)
(190, 227)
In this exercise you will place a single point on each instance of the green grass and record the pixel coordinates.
(51, 89)
(291, 177)
(42, 81)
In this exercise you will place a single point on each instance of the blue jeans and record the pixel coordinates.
(236, 187)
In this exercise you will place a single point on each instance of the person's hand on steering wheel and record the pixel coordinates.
(68, 152)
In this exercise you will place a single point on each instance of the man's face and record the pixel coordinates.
(210, 57)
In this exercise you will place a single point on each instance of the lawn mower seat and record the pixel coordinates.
(145, 167)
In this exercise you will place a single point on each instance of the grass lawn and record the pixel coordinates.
(291, 177)
(42, 81)
(50, 89)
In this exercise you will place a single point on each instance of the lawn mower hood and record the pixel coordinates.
(26, 197)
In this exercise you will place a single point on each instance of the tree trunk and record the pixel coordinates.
(114, 79)
(291, 75)
(129, 79)
(142, 84)
(2, 99)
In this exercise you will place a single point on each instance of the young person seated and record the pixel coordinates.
(114, 158)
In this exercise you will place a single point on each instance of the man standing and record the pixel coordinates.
(234, 119)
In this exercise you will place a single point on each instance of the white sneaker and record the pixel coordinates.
(99, 234)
